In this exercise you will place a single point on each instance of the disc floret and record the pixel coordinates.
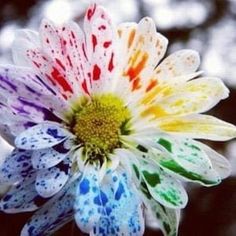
(100, 122)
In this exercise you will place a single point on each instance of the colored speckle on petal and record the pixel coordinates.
(96, 72)
(84, 186)
(119, 191)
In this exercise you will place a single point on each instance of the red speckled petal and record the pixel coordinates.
(100, 37)
(77, 64)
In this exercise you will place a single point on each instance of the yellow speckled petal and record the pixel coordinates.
(195, 96)
(198, 126)
(166, 87)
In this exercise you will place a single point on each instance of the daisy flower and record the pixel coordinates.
(104, 128)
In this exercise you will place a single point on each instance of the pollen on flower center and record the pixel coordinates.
(100, 121)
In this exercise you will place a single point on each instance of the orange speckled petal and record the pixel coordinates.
(145, 48)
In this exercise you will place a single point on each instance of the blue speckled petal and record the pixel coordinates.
(86, 209)
(121, 211)
(16, 166)
(49, 157)
(41, 136)
(50, 181)
(22, 197)
(109, 208)
(53, 215)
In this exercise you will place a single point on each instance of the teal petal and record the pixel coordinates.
(163, 187)
(167, 218)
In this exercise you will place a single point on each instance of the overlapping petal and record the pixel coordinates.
(100, 208)
(22, 197)
(54, 214)
(59, 72)
(16, 166)
(49, 157)
(187, 159)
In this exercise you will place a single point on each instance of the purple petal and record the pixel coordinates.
(19, 84)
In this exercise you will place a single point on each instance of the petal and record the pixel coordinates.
(24, 40)
(187, 159)
(180, 63)
(198, 126)
(166, 88)
(162, 187)
(41, 136)
(100, 209)
(49, 157)
(195, 96)
(126, 34)
(22, 197)
(77, 66)
(52, 73)
(66, 47)
(6, 134)
(100, 35)
(117, 196)
(53, 215)
(86, 211)
(27, 53)
(16, 166)
(18, 126)
(219, 162)
(167, 218)
(50, 181)
(176, 69)
(21, 84)
(147, 50)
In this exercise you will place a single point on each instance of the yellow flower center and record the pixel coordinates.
(99, 122)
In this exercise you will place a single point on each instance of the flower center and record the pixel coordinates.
(99, 122)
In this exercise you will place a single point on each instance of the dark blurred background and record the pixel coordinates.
(208, 26)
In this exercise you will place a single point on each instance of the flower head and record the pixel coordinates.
(103, 128)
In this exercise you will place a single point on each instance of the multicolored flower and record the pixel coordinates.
(104, 129)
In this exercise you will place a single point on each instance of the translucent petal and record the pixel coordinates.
(24, 40)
